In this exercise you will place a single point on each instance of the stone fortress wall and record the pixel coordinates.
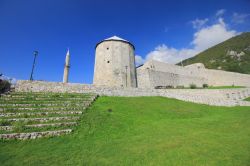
(115, 67)
(155, 73)
(115, 63)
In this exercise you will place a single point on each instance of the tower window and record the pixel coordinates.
(107, 48)
(107, 61)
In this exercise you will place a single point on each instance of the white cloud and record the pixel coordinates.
(202, 39)
(220, 12)
(212, 35)
(198, 23)
(139, 60)
(170, 55)
(239, 18)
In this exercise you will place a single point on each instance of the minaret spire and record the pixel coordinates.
(66, 68)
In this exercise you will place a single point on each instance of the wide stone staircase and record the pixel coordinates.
(26, 115)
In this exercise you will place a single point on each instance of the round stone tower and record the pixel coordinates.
(115, 63)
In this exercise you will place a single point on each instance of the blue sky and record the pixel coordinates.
(160, 29)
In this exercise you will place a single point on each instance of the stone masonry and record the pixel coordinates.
(217, 97)
(155, 73)
(115, 63)
(115, 67)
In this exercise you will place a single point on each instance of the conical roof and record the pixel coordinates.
(115, 38)
(67, 54)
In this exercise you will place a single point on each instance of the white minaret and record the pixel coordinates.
(66, 69)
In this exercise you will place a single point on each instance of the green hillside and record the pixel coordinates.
(230, 55)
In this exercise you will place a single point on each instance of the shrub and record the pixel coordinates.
(193, 86)
(164, 87)
(25, 115)
(4, 86)
(180, 87)
(159, 87)
(205, 85)
(19, 126)
(169, 87)
(4, 122)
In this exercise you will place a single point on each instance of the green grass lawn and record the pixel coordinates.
(247, 99)
(225, 87)
(143, 131)
(210, 87)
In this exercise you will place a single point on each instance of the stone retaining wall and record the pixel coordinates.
(218, 97)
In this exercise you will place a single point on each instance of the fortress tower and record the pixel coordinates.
(115, 63)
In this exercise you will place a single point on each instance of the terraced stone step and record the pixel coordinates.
(6, 109)
(6, 128)
(43, 119)
(60, 95)
(52, 124)
(43, 102)
(84, 103)
(243, 103)
(44, 96)
(34, 135)
(40, 113)
(47, 93)
(10, 128)
(34, 115)
(47, 99)
(43, 99)
(54, 94)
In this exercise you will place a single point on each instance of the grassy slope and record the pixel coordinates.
(247, 99)
(218, 54)
(143, 131)
(225, 87)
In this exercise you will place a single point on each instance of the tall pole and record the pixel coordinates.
(126, 67)
(33, 66)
